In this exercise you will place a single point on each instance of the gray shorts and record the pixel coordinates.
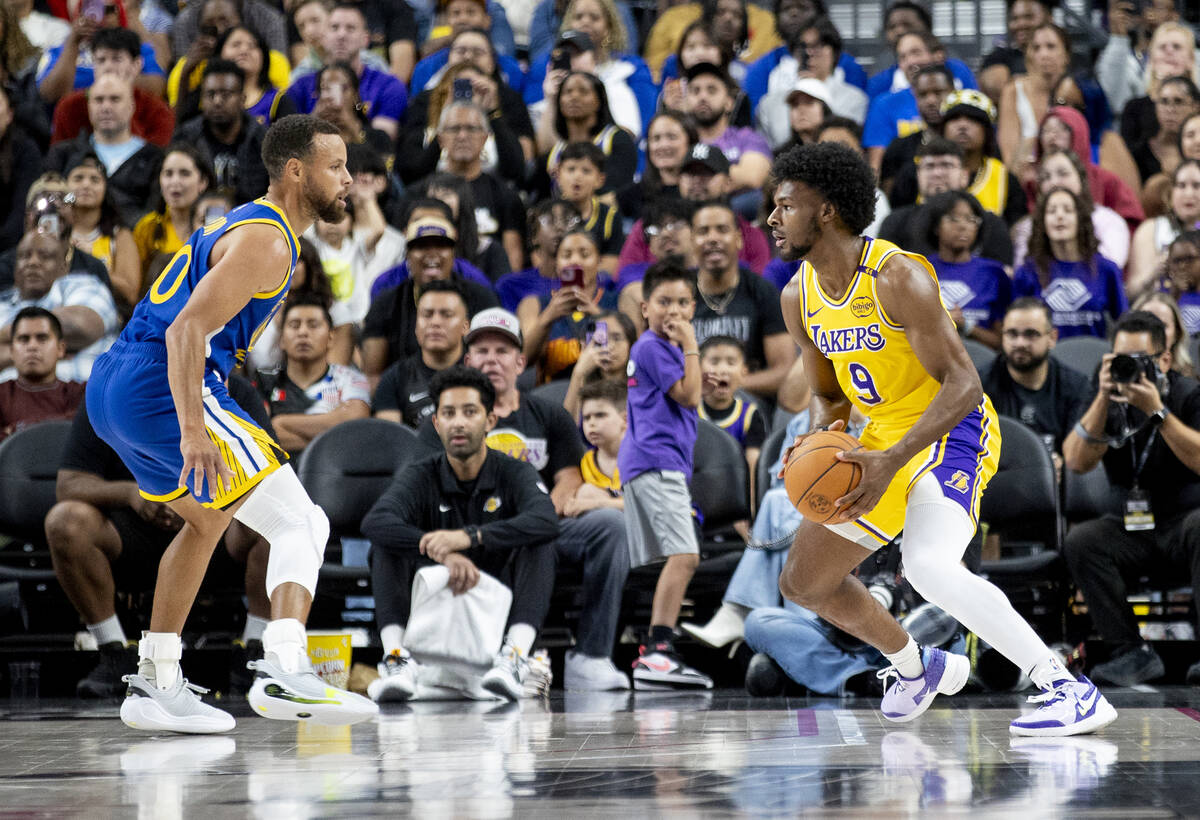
(658, 517)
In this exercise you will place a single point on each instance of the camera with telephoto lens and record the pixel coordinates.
(1126, 368)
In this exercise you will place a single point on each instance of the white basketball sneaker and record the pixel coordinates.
(1070, 708)
(302, 695)
(178, 709)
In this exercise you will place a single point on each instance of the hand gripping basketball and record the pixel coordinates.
(816, 479)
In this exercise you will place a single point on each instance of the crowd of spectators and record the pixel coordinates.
(519, 169)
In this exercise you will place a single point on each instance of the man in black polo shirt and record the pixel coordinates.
(102, 529)
(390, 328)
(542, 433)
(468, 508)
(737, 302)
(403, 391)
(1026, 383)
(1146, 433)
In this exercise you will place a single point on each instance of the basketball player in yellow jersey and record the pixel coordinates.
(873, 332)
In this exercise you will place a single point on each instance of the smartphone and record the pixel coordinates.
(50, 223)
(571, 276)
(335, 93)
(463, 90)
(561, 60)
(598, 333)
(93, 9)
(214, 212)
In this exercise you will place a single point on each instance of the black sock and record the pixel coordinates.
(662, 635)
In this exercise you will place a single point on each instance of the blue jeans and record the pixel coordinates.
(803, 646)
(595, 541)
(755, 581)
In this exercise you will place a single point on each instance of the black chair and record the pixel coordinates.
(762, 473)
(1081, 353)
(29, 463)
(720, 484)
(554, 391)
(981, 355)
(1085, 495)
(1021, 500)
(345, 470)
(1021, 505)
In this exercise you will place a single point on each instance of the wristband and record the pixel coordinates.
(1082, 432)
(691, 353)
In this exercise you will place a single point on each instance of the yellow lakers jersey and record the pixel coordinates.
(876, 366)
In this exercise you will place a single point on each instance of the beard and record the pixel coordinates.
(791, 252)
(1028, 361)
(327, 210)
(708, 118)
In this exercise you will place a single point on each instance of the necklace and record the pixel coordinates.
(718, 304)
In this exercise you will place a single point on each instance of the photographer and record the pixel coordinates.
(1144, 426)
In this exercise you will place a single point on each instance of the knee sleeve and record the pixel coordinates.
(280, 511)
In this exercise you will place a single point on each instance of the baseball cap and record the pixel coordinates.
(813, 88)
(709, 156)
(701, 69)
(431, 227)
(581, 41)
(969, 103)
(495, 320)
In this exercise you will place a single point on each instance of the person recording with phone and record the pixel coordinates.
(554, 325)
(50, 208)
(605, 357)
(1144, 427)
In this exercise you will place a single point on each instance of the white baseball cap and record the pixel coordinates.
(495, 320)
(813, 88)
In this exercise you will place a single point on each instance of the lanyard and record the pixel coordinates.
(1139, 461)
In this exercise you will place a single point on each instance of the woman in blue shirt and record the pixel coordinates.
(975, 290)
(1064, 268)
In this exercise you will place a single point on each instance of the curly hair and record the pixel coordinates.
(837, 173)
(1085, 235)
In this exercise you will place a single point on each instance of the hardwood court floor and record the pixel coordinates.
(611, 755)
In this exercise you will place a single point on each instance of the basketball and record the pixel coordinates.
(814, 477)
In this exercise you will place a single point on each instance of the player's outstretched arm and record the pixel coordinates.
(909, 295)
(252, 259)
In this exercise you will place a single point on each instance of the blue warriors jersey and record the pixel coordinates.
(228, 346)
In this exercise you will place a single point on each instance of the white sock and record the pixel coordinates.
(107, 631)
(288, 640)
(936, 533)
(160, 652)
(1048, 672)
(521, 636)
(392, 638)
(908, 660)
(254, 628)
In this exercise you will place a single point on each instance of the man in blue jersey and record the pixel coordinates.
(158, 397)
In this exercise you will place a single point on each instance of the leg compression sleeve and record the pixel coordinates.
(280, 511)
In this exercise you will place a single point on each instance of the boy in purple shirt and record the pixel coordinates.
(655, 465)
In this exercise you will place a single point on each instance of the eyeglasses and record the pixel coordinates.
(558, 222)
(652, 231)
(1028, 335)
(938, 165)
(469, 51)
(1173, 102)
(1183, 260)
(462, 129)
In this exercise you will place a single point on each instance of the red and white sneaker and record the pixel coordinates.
(659, 667)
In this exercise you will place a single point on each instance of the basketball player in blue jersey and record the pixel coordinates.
(874, 334)
(158, 398)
